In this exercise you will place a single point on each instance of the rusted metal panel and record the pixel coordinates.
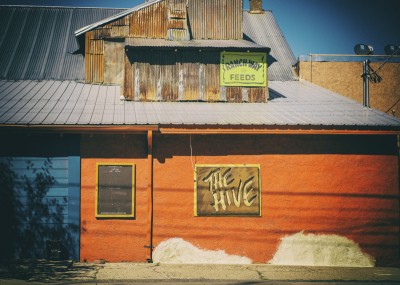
(150, 22)
(190, 67)
(129, 83)
(257, 95)
(98, 68)
(119, 31)
(216, 19)
(178, 35)
(223, 190)
(177, 5)
(147, 86)
(211, 76)
(176, 24)
(177, 14)
(233, 94)
(114, 61)
(183, 76)
(101, 33)
(96, 46)
(169, 77)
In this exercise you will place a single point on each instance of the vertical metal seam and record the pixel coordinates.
(16, 46)
(48, 47)
(64, 50)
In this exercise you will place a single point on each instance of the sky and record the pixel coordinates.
(309, 26)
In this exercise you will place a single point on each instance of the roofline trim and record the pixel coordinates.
(199, 130)
(252, 130)
(81, 129)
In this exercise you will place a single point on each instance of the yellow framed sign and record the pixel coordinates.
(115, 190)
(227, 190)
(246, 69)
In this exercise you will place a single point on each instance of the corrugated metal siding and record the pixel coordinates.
(264, 30)
(150, 22)
(37, 42)
(47, 194)
(216, 19)
(291, 103)
(164, 76)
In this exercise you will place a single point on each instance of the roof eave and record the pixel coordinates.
(205, 129)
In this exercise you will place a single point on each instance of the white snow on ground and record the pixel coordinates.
(320, 250)
(177, 250)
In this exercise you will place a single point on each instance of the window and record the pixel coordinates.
(115, 190)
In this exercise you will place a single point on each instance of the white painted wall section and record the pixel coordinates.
(179, 251)
(320, 250)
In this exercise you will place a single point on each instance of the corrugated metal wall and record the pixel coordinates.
(216, 19)
(150, 22)
(208, 19)
(182, 76)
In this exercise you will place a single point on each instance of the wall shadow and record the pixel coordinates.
(45, 271)
(32, 219)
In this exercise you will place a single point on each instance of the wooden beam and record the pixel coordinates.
(246, 131)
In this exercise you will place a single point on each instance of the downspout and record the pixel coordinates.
(149, 255)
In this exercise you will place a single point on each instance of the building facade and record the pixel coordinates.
(182, 121)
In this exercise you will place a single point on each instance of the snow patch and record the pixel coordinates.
(177, 250)
(320, 250)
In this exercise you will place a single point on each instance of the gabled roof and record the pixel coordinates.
(292, 104)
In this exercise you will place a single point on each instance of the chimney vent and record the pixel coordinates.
(256, 7)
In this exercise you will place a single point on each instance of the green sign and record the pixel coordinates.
(243, 69)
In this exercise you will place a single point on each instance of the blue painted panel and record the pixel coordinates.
(46, 197)
(74, 207)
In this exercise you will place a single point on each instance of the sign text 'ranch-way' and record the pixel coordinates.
(227, 190)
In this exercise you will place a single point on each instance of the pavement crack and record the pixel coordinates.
(260, 274)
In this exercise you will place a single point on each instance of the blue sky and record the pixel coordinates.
(310, 26)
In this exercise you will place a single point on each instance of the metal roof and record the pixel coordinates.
(38, 42)
(151, 43)
(69, 103)
(264, 30)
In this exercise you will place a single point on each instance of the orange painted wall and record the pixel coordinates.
(345, 185)
(113, 239)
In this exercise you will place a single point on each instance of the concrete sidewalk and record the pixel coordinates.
(47, 271)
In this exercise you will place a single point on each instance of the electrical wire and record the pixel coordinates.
(374, 76)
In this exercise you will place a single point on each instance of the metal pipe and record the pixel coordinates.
(366, 83)
(150, 213)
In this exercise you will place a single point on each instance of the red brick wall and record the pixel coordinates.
(345, 185)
